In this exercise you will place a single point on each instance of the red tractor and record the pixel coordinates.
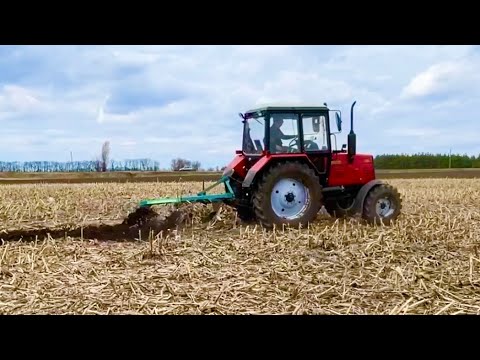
(288, 168)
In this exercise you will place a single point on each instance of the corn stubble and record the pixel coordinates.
(428, 262)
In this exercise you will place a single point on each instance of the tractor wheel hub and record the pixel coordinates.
(289, 199)
(384, 207)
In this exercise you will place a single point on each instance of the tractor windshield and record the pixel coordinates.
(253, 135)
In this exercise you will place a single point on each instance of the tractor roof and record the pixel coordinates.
(287, 108)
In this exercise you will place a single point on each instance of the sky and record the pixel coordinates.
(164, 102)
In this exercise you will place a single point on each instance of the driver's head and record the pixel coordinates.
(277, 122)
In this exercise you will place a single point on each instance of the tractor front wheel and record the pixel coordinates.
(382, 205)
(289, 193)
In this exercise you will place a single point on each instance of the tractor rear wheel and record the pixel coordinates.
(382, 205)
(289, 193)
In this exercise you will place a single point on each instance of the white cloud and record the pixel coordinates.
(135, 57)
(54, 132)
(116, 118)
(18, 98)
(413, 132)
(438, 78)
(127, 143)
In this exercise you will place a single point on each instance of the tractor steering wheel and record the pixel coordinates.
(310, 145)
(292, 142)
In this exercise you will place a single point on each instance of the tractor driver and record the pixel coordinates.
(276, 136)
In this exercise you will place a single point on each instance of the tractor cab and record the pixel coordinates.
(288, 130)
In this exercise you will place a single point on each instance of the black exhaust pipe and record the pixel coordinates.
(352, 138)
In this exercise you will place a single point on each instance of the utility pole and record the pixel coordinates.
(71, 157)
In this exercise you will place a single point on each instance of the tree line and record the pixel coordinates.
(80, 166)
(103, 163)
(180, 163)
(99, 166)
(426, 161)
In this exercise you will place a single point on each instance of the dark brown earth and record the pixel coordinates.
(138, 225)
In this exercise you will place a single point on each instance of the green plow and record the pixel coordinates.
(201, 197)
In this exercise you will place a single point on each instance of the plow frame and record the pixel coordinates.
(201, 197)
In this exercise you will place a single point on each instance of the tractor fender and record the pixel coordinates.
(268, 160)
(254, 170)
(363, 192)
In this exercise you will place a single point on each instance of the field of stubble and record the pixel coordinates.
(426, 263)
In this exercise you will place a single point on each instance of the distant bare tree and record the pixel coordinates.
(105, 155)
(98, 165)
(196, 165)
(179, 163)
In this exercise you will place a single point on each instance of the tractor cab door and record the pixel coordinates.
(283, 134)
(316, 139)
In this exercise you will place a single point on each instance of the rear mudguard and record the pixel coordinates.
(252, 172)
(266, 161)
(362, 194)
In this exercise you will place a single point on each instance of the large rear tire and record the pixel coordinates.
(289, 193)
(382, 205)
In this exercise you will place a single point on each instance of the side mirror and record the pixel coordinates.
(316, 124)
(339, 121)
